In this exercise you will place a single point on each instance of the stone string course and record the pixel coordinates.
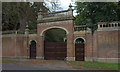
(56, 23)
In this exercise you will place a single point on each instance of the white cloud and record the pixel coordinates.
(65, 3)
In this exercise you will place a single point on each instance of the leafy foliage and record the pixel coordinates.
(16, 15)
(9, 16)
(89, 13)
(55, 35)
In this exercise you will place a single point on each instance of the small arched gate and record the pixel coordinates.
(32, 49)
(79, 49)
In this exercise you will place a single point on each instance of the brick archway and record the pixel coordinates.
(80, 49)
(69, 34)
(32, 47)
(64, 22)
(81, 38)
(43, 31)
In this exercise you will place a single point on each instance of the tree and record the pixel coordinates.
(55, 35)
(29, 12)
(97, 12)
(90, 13)
(17, 14)
(10, 19)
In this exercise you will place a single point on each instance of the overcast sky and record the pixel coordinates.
(64, 4)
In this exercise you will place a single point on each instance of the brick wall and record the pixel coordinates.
(108, 44)
(15, 45)
(105, 44)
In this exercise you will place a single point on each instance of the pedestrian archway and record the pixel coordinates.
(33, 49)
(79, 49)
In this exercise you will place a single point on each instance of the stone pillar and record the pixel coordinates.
(40, 15)
(95, 47)
(27, 43)
(70, 10)
(40, 47)
(88, 45)
(88, 30)
(98, 26)
(70, 48)
(91, 46)
(15, 44)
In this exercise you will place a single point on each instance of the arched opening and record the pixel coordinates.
(79, 49)
(53, 27)
(33, 49)
(55, 46)
(55, 35)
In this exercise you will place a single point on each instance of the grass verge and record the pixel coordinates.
(96, 65)
(8, 61)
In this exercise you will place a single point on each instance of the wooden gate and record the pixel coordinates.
(55, 50)
(79, 52)
(33, 50)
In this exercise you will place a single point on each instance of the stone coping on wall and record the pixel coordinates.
(108, 26)
(79, 32)
(113, 22)
(15, 57)
(56, 23)
(54, 19)
(32, 35)
(109, 29)
(18, 35)
(53, 12)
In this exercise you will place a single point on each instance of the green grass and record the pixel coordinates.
(96, 65)
(8, 61)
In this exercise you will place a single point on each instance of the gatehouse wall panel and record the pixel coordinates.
(88, 45)
(105, 45)
(108, 44)
(15, 45)
(8, 48)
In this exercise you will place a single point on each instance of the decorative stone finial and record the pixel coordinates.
(70, 10)
(26, 30)
(70, 6)
(27, 26)
(40, 15)
(40, 10)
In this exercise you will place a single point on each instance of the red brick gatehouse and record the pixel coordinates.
(103, 46)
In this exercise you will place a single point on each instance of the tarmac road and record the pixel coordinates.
(20, 67)
(37, 65)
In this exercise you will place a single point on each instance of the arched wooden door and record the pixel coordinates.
(33, 50)
(79, 49)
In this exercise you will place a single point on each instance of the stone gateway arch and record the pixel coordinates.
(64, 22)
